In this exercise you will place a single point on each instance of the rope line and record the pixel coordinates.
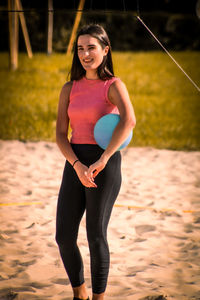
(119, 12)
(142, 22)
(20, 203)
(116, 205)
(154, 208)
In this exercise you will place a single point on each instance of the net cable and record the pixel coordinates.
(157, 40)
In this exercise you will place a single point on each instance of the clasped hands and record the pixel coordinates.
(87, 175)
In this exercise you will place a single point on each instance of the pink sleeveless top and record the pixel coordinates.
(88, 102)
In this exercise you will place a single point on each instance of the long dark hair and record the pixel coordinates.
(105, 70)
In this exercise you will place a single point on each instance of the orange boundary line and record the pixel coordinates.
(20, 203)
(116, 205)
(153, 208)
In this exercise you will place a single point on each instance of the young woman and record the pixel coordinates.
(92, 176)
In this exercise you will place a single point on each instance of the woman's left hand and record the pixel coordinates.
(95, 168)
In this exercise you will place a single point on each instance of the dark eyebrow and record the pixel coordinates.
(87, 45)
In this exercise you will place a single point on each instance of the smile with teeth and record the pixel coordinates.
(87, 60)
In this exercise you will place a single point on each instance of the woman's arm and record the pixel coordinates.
(62, 126)
(118, 95)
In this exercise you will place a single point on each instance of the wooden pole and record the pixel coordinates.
(75, 26)
(50, 27)
(24, 28)
(13, 34)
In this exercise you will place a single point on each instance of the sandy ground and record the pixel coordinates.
(154, 232)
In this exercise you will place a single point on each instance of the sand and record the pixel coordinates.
(154, 231)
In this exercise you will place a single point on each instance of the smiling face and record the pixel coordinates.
(90, 53)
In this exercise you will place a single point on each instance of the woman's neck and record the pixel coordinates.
(91, 75)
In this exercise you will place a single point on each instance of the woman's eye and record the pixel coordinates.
(89, 48)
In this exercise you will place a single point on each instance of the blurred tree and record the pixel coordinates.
(174, 22)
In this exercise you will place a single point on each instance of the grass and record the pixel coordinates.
(166, 104)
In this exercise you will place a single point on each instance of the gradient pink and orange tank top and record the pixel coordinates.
(88, 102)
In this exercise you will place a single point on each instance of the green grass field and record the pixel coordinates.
(166, 104)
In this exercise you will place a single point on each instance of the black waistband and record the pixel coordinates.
(88, 153)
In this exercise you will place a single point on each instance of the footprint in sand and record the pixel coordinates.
(160, 297)
(132, 271)
(140, 229)
(17, 262)
(62, 281)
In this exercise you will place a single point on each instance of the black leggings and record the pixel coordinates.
(73, 200)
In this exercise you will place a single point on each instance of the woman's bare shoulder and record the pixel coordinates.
(65, 90)
(67, 86)
(117, 87)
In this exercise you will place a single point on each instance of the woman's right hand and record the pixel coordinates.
(81, 171)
